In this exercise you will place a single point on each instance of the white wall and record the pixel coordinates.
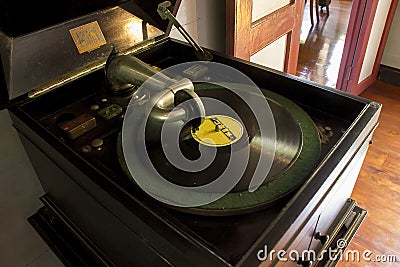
(375, 38)
(262, 7)
(273, 55)
(204, 20)
(391, 54)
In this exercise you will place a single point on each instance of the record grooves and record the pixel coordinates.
(297, 151)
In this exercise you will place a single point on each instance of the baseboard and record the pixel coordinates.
(389, 75)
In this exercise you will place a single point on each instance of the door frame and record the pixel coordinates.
(242, 34)
(357, 36)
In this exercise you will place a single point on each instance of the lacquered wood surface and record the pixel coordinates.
(321, 45)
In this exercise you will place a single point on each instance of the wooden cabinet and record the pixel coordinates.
(323, 228)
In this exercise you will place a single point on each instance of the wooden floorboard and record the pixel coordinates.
(378, 186)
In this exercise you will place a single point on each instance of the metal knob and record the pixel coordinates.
(322, 238)
(97, 143)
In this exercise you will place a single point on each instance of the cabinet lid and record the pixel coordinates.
(18, 18)
(42, 42)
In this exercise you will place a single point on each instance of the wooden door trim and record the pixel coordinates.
(245, 37)
(354, 53)
(365, 33)
(292, 51)
(267, 28)
(242, 10)
(350, 44)
(358, 88)
(382, 44)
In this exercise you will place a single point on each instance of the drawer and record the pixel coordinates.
(334, 207)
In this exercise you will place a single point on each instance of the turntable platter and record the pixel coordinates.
(297, 150)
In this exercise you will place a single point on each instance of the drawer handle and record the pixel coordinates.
(321, 237)
(352, 229)
(348, 219)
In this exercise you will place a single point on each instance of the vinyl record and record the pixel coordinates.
(297, 150)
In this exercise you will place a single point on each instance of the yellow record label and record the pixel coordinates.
(87, 37)
(218, 131)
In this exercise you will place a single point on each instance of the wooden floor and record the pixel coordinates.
(321, 45)
(378, 187)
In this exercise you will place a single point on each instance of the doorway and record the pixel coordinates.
(355, 58)
(321, 44)
(367, 27)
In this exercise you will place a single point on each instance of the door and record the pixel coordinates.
(365, 41)
(254, 26)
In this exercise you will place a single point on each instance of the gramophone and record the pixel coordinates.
(78, 115)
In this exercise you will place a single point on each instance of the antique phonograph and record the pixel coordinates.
(112, 110)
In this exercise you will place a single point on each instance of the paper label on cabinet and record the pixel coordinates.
(88, 37)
